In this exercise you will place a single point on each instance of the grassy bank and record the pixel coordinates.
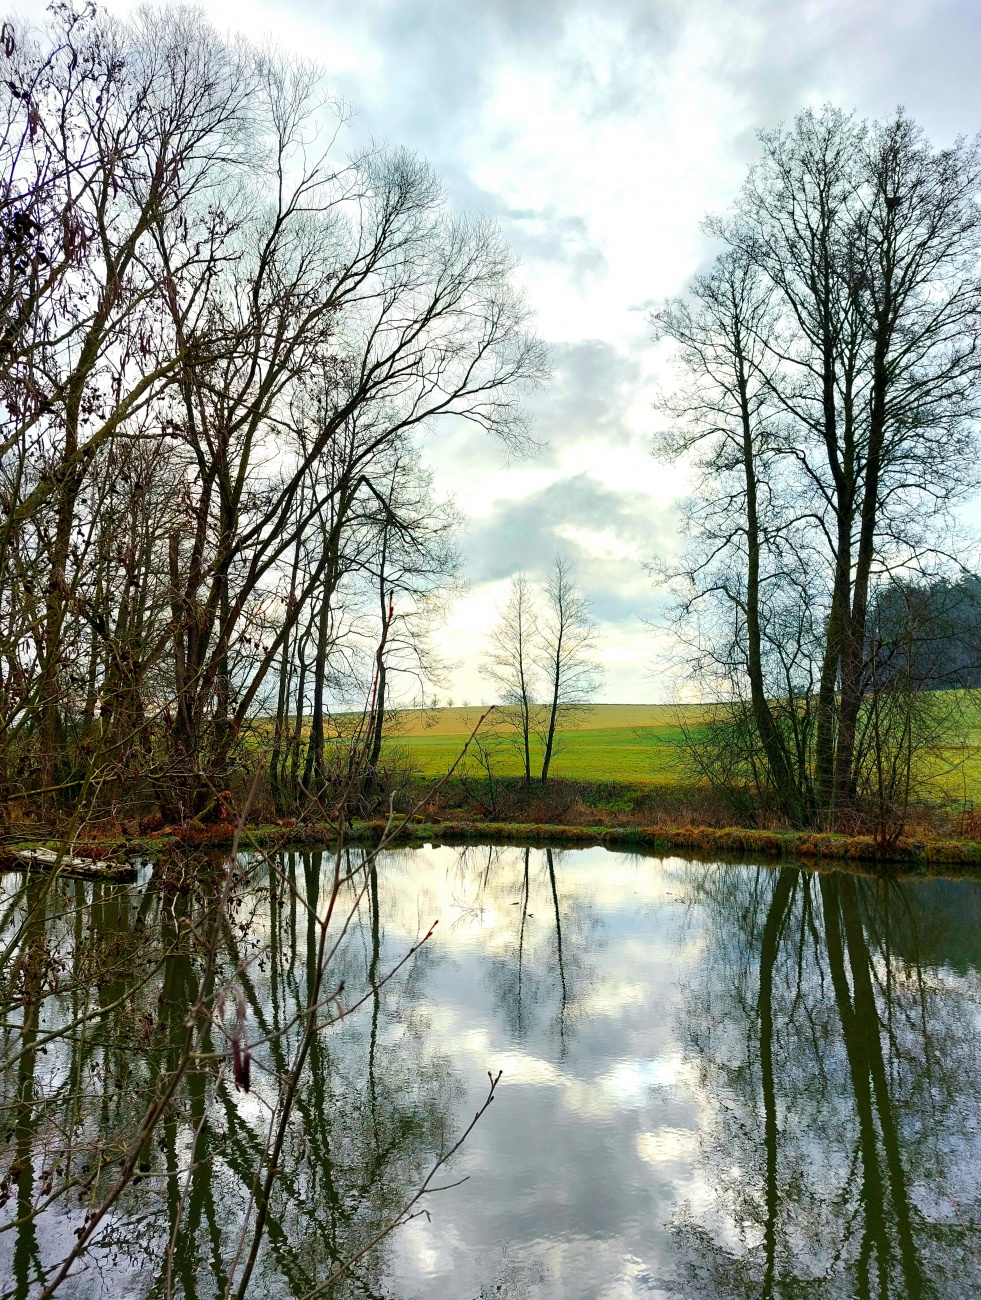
(909, 855)
(619, 780)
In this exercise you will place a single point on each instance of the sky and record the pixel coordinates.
(598, 133)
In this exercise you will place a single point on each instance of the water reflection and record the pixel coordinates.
(119, 968)
(718, 1080)
(841, 1060)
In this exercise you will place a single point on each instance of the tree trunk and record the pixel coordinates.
(788, 783)
(313, 769)
(552, 716)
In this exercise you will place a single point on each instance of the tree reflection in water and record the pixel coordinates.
(98, 982)
(838, 1069)
(812, 1044)
(535, 978)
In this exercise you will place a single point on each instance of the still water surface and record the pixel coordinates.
(718, 1080)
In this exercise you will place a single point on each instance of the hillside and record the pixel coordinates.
(637, 743)
(616, 742)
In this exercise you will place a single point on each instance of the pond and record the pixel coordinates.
(718, 1080)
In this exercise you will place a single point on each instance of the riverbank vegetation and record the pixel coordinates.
(224, 336)
(221, 558)
(829, 402)
(103, 857)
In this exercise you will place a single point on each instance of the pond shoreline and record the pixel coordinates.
(922, 856)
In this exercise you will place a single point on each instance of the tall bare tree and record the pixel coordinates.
(740, 569)
(112, 129)
(842, 394)
(221, 333)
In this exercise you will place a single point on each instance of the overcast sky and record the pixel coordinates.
(598, 133)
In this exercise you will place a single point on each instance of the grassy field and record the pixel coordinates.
(635, 743)
(612, 742)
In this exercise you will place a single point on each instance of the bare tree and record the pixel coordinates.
(737, 576)
(413, 567)
(841, 391)
(222, 333)
(511, 663)
(565, 653)
(111, 130)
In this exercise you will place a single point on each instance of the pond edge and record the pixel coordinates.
(910, 856)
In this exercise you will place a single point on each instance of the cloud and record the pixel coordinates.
(548, 235)
(608, 535)
(594, 383)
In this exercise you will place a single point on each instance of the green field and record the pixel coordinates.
(632, 742)
(612, 742)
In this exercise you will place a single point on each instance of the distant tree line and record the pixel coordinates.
(829, 404)
(222, 337)
(929, 633)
